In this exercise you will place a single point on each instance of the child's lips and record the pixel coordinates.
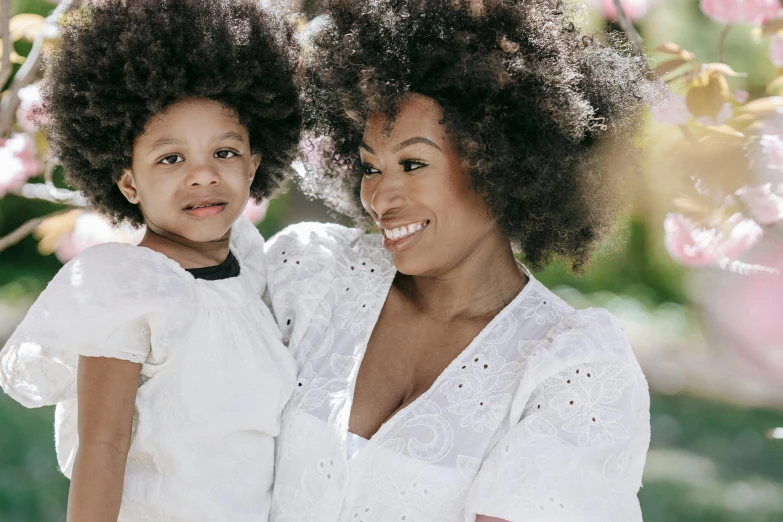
(206, 211)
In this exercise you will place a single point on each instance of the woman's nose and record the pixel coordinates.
(388, 193)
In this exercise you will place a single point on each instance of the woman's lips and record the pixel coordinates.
(401, 237)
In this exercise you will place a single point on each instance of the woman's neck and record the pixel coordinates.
(189, 254)
(480, 285)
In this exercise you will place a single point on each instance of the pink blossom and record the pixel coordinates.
(769, 157)
(745, 310)
(29, 114)
(776, 51)
(672, 110)
(740, 11)
(741, 96)
(703, 246)
(635, 9)
(765, 205)
(256, 212)
(18, 162)
(91, 229)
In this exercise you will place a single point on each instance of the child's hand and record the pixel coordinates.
(107, 394)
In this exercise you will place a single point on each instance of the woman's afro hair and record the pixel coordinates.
(528, 100)
(121, 62)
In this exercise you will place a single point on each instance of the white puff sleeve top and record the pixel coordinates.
(543, 417)
(214, 379)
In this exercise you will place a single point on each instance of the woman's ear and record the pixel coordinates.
(127, 185)
(254, 163)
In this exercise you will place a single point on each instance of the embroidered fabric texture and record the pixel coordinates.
(543, 417)
(214, 378)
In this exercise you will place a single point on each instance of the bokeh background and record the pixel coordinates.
(717, 414)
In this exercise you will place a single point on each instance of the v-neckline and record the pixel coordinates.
(385, 291)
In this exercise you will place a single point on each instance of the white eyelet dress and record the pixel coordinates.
(214, 379)
(543, 417)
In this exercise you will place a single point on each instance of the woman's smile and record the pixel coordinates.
(401, 237)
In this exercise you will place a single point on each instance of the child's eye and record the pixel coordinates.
(369, 170)
(225, 154)
(172, 159)
(411, 165)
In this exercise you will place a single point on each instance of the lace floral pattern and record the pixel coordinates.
(479, 389)
(543, 401)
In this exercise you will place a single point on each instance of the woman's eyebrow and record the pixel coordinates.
(412, 141)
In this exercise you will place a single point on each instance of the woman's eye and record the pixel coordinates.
(369, 170)
(172, 159)
(225, 154)
(408, 166)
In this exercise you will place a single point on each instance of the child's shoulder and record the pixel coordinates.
(109, 271)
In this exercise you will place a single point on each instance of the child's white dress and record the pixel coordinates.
(215, 375)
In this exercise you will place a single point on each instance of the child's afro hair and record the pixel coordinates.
(120, 62)
(529, 101)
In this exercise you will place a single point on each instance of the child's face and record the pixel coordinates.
(191, 171)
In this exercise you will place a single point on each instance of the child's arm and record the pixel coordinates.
(106, 394)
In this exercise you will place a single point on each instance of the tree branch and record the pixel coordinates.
(722, 44)
(627, 26)
(48, 192)
(24, 230)
(30, 69)
(8, 45)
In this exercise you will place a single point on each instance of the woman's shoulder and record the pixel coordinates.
(316, 236)
(550, 329)
(307, 248)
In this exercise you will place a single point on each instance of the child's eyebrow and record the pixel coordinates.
(163, 142)
(231, 135)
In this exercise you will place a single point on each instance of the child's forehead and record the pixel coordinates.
(194, 114)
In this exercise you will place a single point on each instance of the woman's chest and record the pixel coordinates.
(405, 355)
(421, 461)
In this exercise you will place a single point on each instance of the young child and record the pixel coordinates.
(167, 369)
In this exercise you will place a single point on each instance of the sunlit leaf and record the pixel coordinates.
(707, 94)
(718, 133)
(669, 66)
(691, 206)
(675, 50)
(761, 106)
(41, 145)
(742, 121)
(775, 87)
(26, 26)
(721, 68)
(52, 229)
(15, 57)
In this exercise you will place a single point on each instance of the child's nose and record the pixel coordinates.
(203, 174)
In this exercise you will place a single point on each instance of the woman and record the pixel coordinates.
(438, 379)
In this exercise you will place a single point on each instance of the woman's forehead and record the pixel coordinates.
(416, 116)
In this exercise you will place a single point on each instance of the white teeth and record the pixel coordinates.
(403, 231)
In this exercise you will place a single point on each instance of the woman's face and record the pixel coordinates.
(417, 191)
